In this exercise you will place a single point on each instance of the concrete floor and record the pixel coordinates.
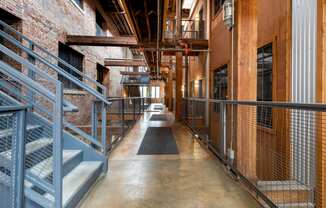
(192, 179)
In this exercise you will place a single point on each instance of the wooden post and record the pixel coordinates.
(179, 63)
(245, 84)
(178, 84)
(321, 98)
(170, 90)
(178, 12)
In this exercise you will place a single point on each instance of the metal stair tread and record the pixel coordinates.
(30, 147)
(75, 180)
(8, 132)
(44, 168)
(281, 186)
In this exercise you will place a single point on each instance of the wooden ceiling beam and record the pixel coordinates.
(148, 24)
(101, 41)
(124, 62)
(130, 41)
(134, 73)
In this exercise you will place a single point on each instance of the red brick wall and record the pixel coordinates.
(48, 22)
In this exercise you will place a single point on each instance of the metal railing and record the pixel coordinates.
(13, 119)
(191, 29)
(123, 114)
(29, 76)
(48, 67)
(44, 125)
(49, 62)
(272, 146)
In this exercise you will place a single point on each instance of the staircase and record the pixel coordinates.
(61, 161)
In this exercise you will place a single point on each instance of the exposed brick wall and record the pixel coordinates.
(13, 6)
(47, 22)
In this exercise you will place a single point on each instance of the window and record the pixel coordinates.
(220, 85)
(100, 24)
(75, 59)
(192, 88)
(144, 91)
(202, 29)
(79, 3)
(265, 84)
(155, 92)
(102, 73)
(217, 5)
(200, 88)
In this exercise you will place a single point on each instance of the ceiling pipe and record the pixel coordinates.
(158, 38)
(177, 49)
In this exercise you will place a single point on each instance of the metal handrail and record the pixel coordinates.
(30, 66)
(53, 96)
(11, 29)
(8, 70)
(302, 123)
(57, 100)
(125, 98)
(10, 109)
(292, 105)
(54, 67)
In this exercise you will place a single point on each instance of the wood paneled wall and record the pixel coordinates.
(321, 97)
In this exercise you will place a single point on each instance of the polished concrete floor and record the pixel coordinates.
(192, 179)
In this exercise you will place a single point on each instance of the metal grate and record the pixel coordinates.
(123, 114)
(12, 138)
(278, 161)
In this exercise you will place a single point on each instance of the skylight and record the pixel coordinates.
(187, 4)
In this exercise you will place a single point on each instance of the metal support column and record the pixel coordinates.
(18, 152)
(58, 146)
(103, 136)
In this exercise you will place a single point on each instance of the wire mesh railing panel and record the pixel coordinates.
(197, 120)
(7, 126)
(123, 114)
(39, 142)
(272, 146)
(12, 155)
(41, 66)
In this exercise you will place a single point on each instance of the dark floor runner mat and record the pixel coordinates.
(158, 140)
(158, 117)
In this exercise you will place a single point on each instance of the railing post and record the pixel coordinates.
(134, 108)
(139, 103)
(94, 119)
(18, 160)
(123, 116)
(57, 146)
(103, 135)
(31, 74)
(223, 128)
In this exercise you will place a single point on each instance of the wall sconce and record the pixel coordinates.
(228, 13)
(182, 88)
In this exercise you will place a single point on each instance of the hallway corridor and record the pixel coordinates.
(191, 179)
